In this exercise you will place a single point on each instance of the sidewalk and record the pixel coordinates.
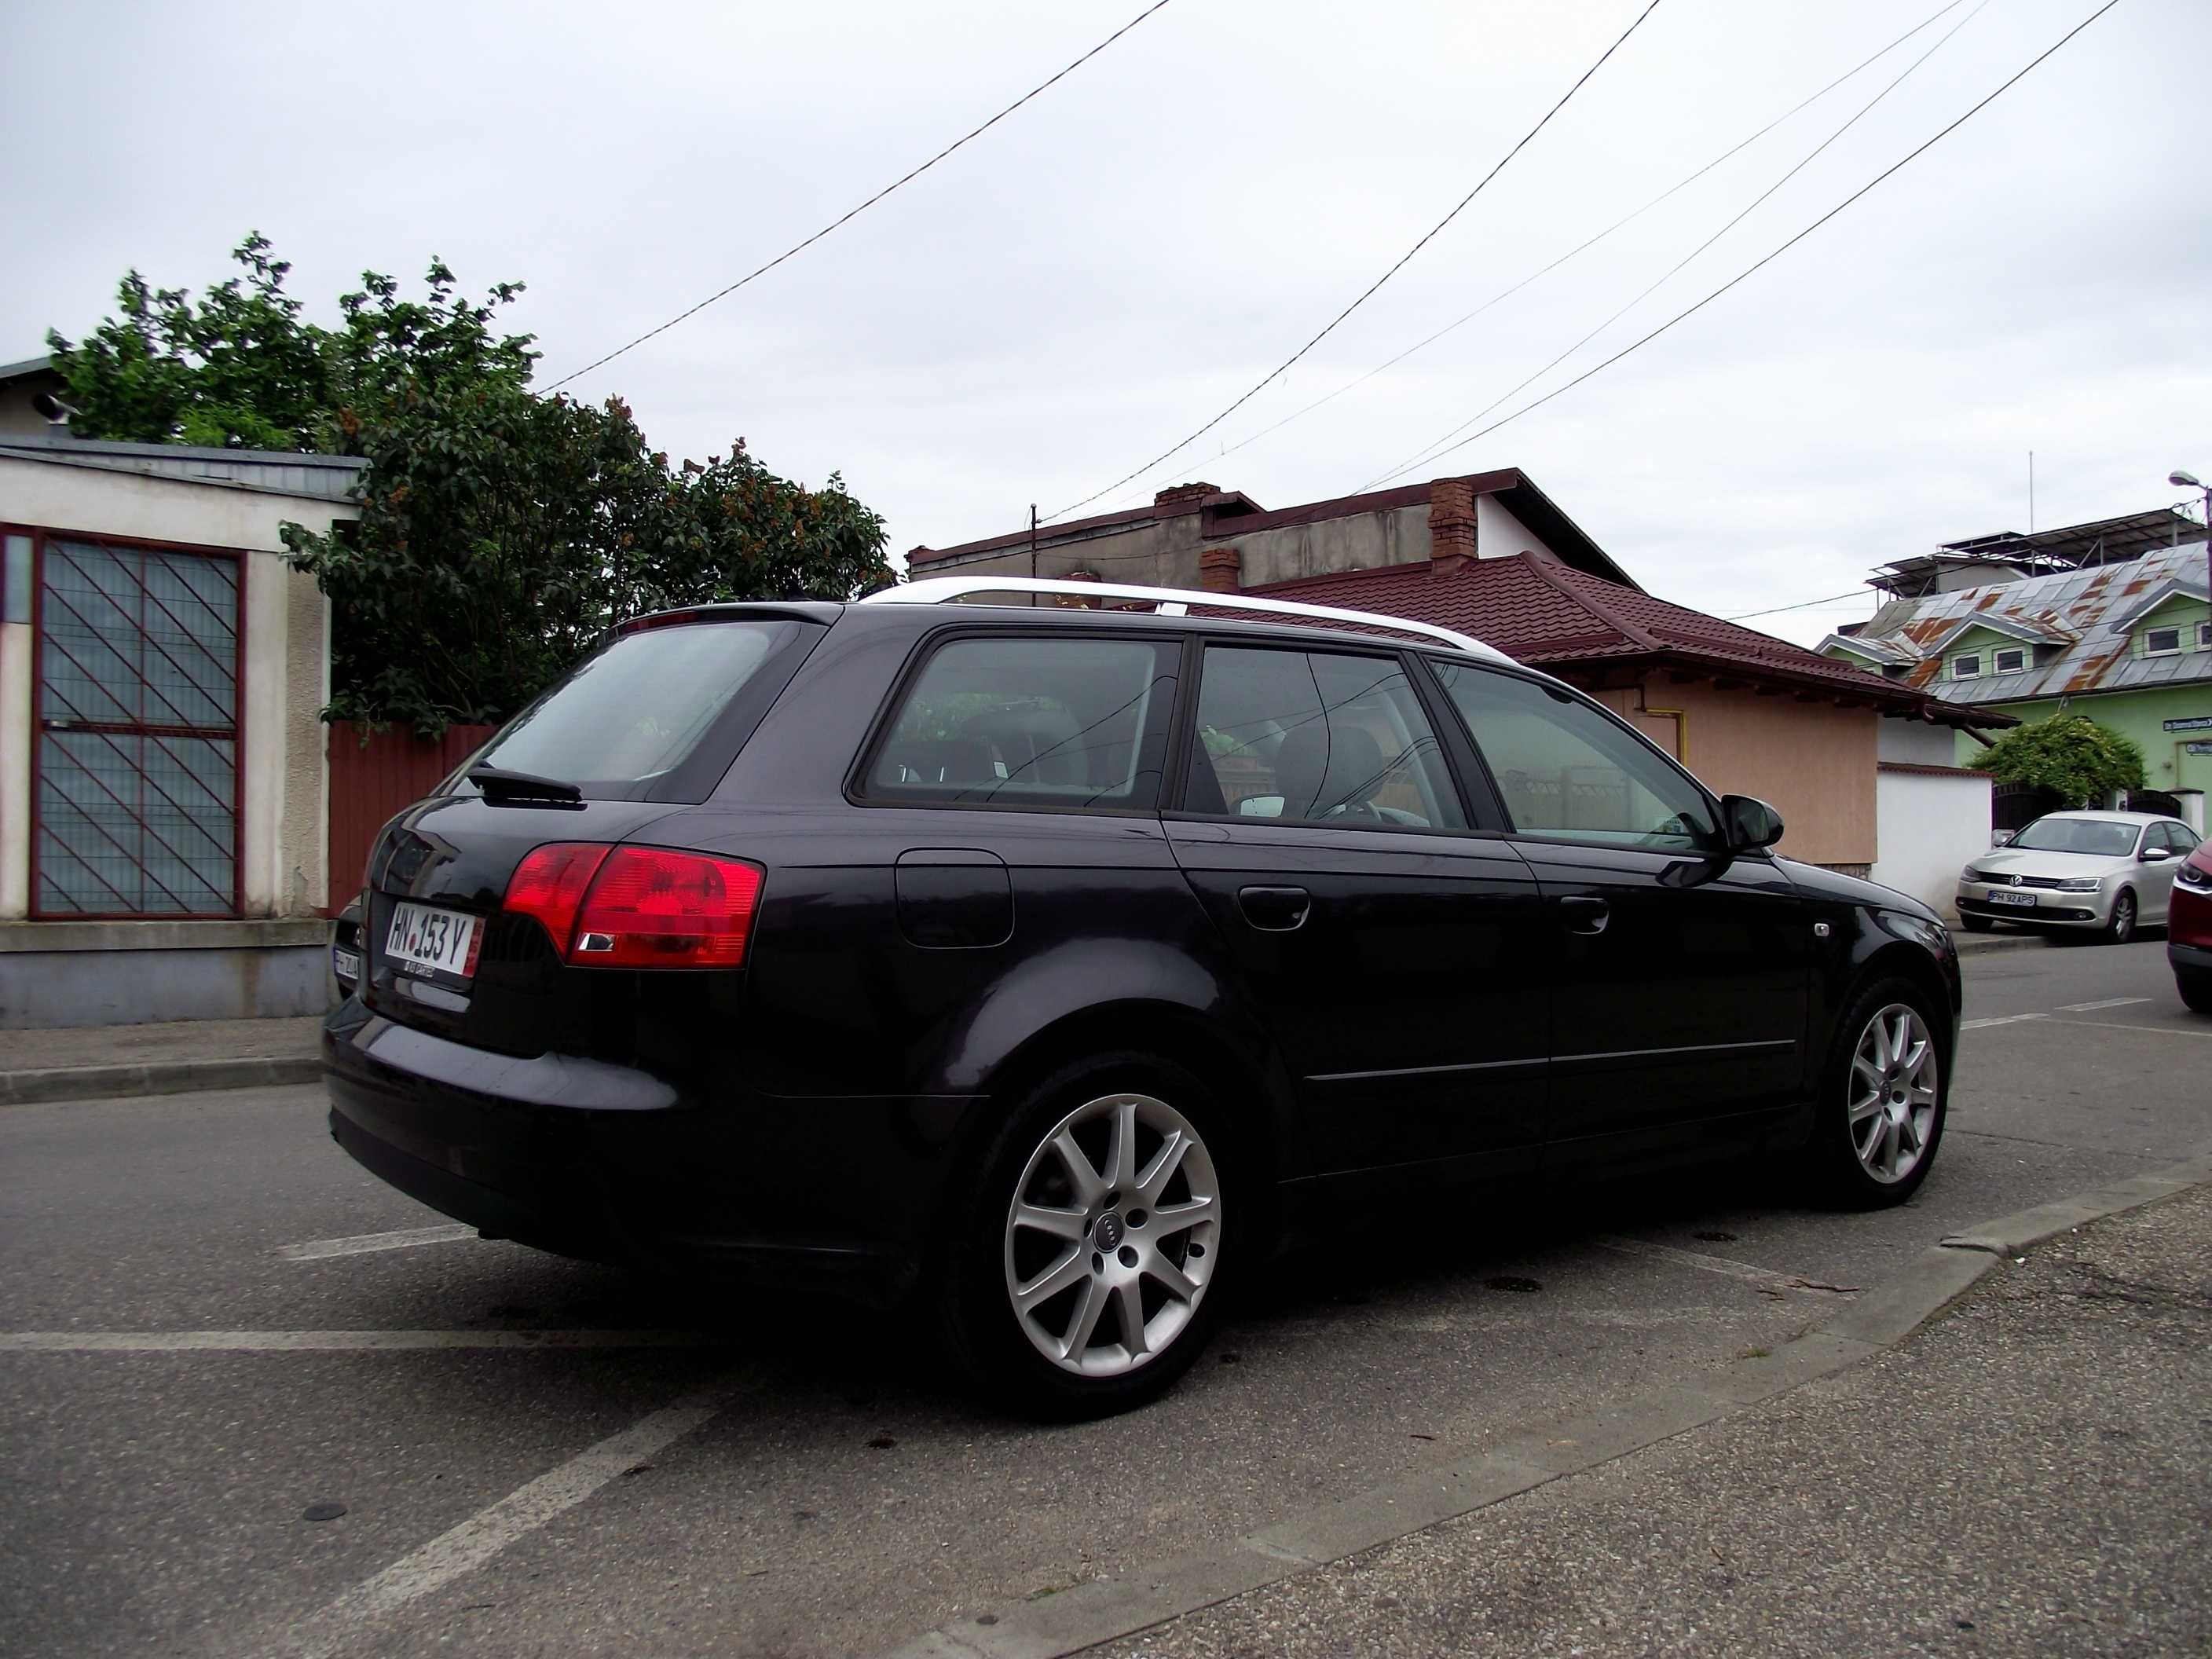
(2024, 1475)
(95, 1062)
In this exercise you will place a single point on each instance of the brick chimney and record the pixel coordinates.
(1219, 569)
(1186, 492)
(1451, 525)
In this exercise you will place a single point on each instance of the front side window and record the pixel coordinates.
(1068, 723)
(1966, 667)
(2182, 839)
(1316, 737)
(2101, 837)
(2009, 662)
(1566, 771)
(2162, 642)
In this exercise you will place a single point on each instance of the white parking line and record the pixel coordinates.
(335, 1342)
(485, 1534)
(1999, 1020)
(406, 1238)
(1763, 1276)
(2091, 1007)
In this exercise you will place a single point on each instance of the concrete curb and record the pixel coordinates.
(170, 1078)
(1974, 945)
(1110, 1609)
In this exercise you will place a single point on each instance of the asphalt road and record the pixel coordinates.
(541, 1457)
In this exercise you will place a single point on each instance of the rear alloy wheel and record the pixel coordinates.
(2122, 927)
(1086, 1281)
(1881, 1116)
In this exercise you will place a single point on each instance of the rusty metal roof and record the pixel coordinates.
(2080, 617)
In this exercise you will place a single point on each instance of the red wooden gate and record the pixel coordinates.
(371, 781)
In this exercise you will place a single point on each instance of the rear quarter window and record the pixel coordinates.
(1070, 723)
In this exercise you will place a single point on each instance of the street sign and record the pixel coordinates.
(2190, 723)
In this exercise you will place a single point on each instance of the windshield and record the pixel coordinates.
(2108, 840)
(649, 718)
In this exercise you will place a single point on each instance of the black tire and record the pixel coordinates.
(2194, 985)
(2121, 927)
(986, 1339)
(1975, 924)
(1832, 1158)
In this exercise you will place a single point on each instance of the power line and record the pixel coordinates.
(1684, 315)
(1806, 604)
(834, 224)
(1751, 206)
(1620, 223)
(1403, 259)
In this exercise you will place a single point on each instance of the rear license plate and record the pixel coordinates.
(440, 941)
(2024, 901)
(345, 964)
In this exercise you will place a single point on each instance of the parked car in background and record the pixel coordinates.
(1055, 965)
(2189, 930)
(2107, 873)
(345, 948)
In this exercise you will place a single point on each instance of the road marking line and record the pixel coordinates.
(1999, 1020)
(2113, 1025)
(406, 1238)
(2091, 1007)
(1715, 1264)
(335, 1342)
(485, 1535)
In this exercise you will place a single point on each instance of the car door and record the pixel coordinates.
(2156, 877)
(1392, 942)
(1679, 998)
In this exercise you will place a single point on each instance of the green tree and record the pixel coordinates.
(501, 533)
(2069, 754)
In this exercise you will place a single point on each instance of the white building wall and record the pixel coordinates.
(1929, 825)
(1918, 742)
(1499, 535)
(282, 834)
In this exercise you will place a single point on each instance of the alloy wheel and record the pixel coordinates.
(1894, 1082)
(2123, 918)
(1113, 1234)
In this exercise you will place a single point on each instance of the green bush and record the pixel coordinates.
(2070, 754)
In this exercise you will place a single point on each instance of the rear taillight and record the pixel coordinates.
(637, 907)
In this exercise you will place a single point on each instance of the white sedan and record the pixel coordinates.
(2106, 873)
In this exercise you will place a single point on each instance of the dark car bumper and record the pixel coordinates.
(611, 1164)
(2189, 956)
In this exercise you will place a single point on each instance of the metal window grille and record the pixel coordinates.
(139, 659)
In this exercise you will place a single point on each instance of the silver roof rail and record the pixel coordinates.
(1171, 601)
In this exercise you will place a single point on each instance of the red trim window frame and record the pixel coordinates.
(236, 733)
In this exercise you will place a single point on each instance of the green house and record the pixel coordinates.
(2128, 644)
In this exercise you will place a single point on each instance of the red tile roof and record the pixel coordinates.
(1552, 616)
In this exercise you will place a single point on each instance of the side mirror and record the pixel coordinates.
(2155, 855)
(1749, 824)
(2002, 838)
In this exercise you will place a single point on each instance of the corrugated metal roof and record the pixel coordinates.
(2086, 613)
(267, 471)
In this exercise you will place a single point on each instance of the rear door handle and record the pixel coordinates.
(1585, 913)
(1275, 909)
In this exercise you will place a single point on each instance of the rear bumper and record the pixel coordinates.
(614, 1165)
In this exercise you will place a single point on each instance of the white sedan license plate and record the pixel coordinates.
(2024, 901)
(422, 937)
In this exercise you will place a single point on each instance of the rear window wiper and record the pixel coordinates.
(500, 784)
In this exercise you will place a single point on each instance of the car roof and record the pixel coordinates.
(2096, 816)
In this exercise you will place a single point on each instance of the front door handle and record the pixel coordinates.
(1275, 909)
(1585, 913)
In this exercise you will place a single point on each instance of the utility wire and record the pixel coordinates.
(1423, 455)
(1403, 259)
(1803, 605)
(834, 224)
(1684, 315)
(1620, 223)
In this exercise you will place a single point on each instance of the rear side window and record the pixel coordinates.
(657, 715)
(1316, 737)
(1070, 723)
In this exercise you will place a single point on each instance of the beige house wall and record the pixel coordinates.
(1812, 762)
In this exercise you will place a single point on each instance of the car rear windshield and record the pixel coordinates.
(658, 715)
(2077, 836)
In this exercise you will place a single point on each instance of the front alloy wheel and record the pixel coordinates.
(1112, 1236)
(1895, 1090)
(2122, 927)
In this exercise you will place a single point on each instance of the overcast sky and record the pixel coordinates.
(1102, 272)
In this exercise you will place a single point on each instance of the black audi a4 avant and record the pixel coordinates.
(1053, 965)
